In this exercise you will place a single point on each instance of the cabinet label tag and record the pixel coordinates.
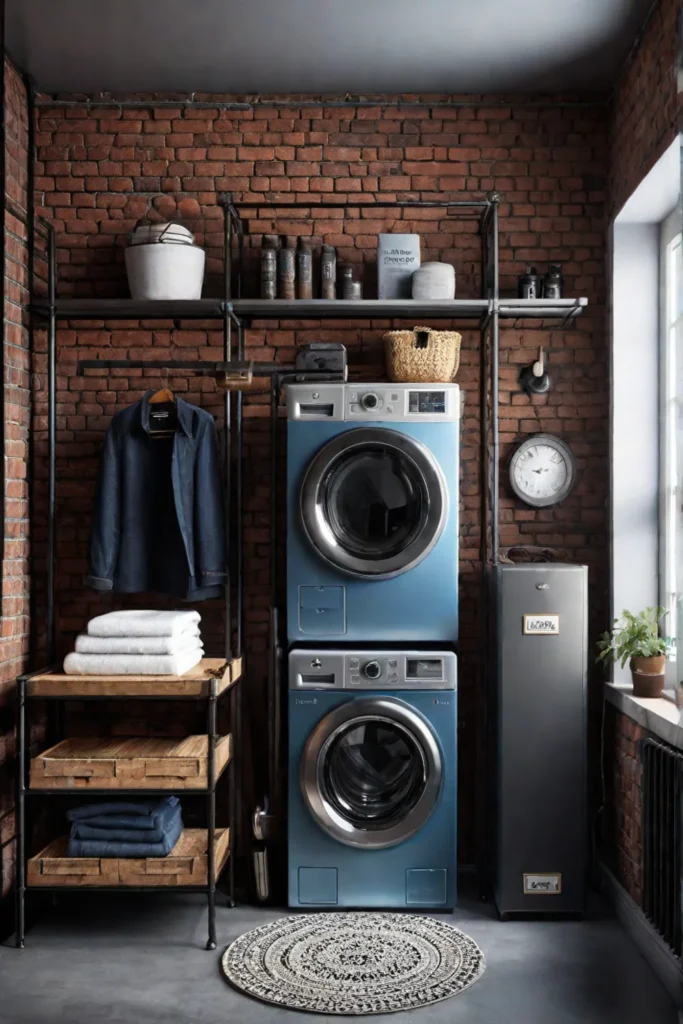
(543, 884)
(541, 625)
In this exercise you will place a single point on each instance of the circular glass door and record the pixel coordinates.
(374, 502)
(371, 772)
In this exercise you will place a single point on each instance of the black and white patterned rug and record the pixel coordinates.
(353, 963)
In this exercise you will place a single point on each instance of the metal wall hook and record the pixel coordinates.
(534, 378)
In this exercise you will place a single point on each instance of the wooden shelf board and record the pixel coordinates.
(185, 865)
(131, 764)
(195, 683)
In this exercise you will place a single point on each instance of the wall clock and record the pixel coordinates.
(542, 470)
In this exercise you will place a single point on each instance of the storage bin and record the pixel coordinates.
(162, 262)
(422, 355)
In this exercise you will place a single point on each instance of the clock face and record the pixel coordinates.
(542, 470)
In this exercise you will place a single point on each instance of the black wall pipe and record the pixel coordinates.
(52, 449)
(260, 101)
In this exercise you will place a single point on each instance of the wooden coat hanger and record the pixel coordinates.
(164, 396)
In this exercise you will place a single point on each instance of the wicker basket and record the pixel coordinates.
(422, 355)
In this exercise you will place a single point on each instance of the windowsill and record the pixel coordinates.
(659, 715)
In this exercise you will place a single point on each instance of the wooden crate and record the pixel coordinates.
(96, 763)
(186, 864)
(194, 683)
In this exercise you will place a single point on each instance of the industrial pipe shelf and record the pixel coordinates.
(132, 309)
(282, 309)
(403, 309)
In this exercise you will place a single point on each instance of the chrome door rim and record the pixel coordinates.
(394, 712)
(315, 522)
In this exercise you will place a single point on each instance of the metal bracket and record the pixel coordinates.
(238, 377)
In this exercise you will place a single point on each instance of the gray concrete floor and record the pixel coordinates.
(140, 960)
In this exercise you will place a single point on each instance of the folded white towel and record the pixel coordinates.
(136, 622)
(138, 644)
(132, 664)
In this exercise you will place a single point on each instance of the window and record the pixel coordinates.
(671, 441)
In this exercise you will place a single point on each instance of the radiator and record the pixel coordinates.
(661, 818)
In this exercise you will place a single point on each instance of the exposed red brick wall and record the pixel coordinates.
(623, 805)
(14, 631)
(99, 171)
(645, 108)
(644, 121)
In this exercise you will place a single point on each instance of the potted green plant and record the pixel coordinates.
(637, 639)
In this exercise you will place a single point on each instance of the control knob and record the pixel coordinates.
(370, 401)
(372, 670)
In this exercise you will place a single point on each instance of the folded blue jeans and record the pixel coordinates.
(115, 848)
(124, 828)
(140, 814)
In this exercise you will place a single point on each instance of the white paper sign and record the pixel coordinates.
(541, 625)
(542, 885)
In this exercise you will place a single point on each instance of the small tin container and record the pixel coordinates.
(328, 273)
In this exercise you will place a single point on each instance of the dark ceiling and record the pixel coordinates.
(323, 46)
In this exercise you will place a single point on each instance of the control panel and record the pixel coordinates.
(402, 402)
(372, 670)
(368, 403)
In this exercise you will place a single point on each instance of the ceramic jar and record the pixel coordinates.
(434, 282)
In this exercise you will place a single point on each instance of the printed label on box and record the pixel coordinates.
(543, 884)
(541, 625)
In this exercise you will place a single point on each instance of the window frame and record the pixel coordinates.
(670, 452)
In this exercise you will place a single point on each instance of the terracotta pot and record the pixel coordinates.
(648, 676)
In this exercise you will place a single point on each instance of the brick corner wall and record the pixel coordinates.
(644, 121)
(646, 107)
(15, 620)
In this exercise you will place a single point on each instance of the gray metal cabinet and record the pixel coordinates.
(541, 621)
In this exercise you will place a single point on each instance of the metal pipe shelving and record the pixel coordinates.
(235, 312)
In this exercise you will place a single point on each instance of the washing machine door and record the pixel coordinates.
(374, 502)
(371, 772)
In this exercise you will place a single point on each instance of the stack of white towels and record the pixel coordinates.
(138, 643)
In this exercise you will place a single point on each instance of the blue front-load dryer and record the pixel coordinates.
(372, 778)
(372, 506)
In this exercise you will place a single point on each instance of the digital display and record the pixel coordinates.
(427, 401)
(424, 668)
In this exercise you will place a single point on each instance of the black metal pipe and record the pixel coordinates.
(274, 638)
(212, 729)
(52, 447)
(495, 371)
(259, 101)
(232, 795)
(355, 204)
(239, 500)
(227, 497)
(31, 223)
(209, 368)
(20, 882)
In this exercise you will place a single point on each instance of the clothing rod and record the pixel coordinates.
(211, 368)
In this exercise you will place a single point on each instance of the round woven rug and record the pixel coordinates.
(353, 963)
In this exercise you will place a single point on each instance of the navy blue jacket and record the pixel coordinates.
(158, 521)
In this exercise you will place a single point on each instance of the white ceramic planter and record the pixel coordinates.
(434, 282)
(165, 271)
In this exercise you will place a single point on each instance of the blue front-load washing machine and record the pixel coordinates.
(372, 504)
(372, 778)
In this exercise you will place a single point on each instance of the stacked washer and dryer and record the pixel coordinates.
(372, 623)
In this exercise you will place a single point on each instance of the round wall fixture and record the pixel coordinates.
(542, 471)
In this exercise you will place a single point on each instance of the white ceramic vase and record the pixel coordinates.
(434, 282)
